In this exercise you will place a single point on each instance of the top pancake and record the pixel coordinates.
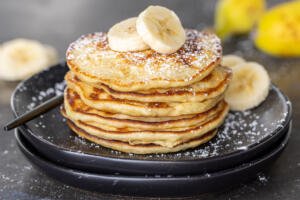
(91, 59)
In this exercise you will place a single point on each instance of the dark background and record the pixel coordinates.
(59, 22)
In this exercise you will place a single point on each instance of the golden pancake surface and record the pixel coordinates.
(101, 100)
(146, 102)
(142, 148)
(91, 59)
(78, 110)
(211, 86)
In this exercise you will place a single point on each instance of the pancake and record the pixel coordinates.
(146, 102)
(77, 110)
(141, 149)
(99, 99)
(167, 138)
(91, 59)
(72, 93)
(211, 86)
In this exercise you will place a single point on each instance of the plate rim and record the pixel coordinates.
(287, 120)
(280, 146)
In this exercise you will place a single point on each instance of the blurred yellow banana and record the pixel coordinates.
(237, 16)
(278, 31)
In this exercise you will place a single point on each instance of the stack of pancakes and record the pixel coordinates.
(146, 102)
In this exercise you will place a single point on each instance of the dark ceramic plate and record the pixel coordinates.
(154, 185)
(243, 136)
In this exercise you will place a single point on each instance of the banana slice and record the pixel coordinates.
(124, 37)
(21, 58)
(249, 86)
(231, 60)
(161, 29)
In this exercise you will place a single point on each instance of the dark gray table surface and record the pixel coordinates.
(59, 22)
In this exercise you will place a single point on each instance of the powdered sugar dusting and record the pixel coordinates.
(240, 131)
(91, 55)
(45, 94)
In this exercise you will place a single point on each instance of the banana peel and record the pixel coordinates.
(278, 31)
(237, 16)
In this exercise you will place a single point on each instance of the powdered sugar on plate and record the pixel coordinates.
(240, 131)
(45, 94)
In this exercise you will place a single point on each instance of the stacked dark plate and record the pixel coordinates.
(247, 144)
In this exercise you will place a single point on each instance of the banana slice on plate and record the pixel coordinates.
(249, 86)
(231, 60)
(21, 58)
(124, 37)
(161, 29)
